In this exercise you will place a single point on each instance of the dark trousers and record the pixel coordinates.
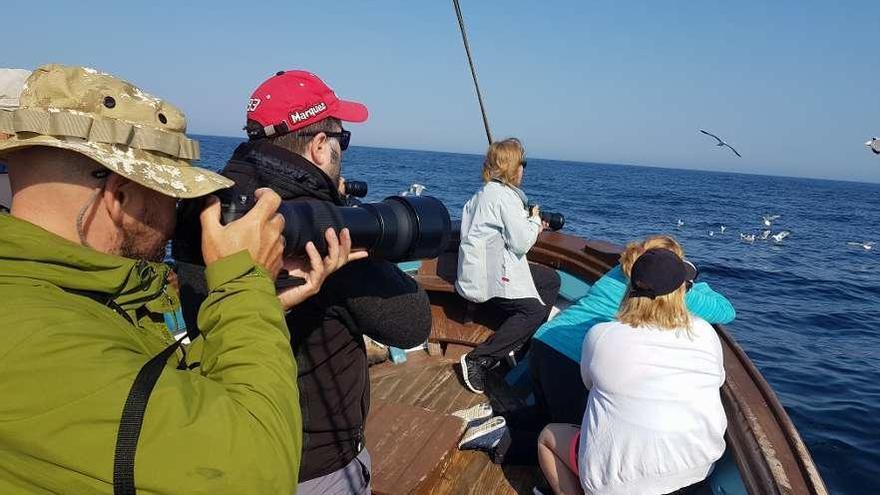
(522, 317)
(560, 397)
(557, 385)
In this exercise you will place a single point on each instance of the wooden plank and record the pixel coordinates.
(434, 349)
(433, 383)
(407, 444)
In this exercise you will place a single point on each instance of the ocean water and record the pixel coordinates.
(808, 308)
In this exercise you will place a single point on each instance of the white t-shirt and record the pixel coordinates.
(654, 421)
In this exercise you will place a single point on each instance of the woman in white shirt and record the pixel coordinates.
(497, 230)
(654, 421)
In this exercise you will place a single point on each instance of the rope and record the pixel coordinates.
(467, 49)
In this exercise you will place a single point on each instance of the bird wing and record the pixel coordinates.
(713, 135)
(855, 244)
(733, 150)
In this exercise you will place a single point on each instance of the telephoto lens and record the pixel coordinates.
(356, 188)
(395, 229)
(554, 220)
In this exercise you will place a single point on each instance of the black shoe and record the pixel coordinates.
(473, 371)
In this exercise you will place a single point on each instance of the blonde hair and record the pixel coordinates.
(667, 312)
(502, 161)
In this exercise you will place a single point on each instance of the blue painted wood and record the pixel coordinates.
(397, 355)
(572, 287)
(725, 479)
(410, 266)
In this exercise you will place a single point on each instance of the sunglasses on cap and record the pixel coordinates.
(343, 136)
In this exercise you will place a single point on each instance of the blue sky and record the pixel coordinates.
(794, 86)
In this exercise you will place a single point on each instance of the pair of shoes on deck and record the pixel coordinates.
(474, 370)
(484, 431)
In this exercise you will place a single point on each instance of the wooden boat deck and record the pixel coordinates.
(431, 383)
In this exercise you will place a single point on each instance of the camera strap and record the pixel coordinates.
(132, 419)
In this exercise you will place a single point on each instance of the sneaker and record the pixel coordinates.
(473, 371)
(484, 437)
(472, 374)
(476, 415)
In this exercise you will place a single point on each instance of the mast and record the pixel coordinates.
(467, 50)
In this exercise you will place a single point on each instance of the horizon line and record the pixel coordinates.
(661, 166)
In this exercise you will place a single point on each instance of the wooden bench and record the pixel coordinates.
(408, 445)
(456, 321)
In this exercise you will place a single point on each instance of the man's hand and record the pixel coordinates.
(314, 270)
(258, 232)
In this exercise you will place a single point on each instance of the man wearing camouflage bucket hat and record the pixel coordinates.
(90, 374)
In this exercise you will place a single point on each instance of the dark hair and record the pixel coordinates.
(296, 143)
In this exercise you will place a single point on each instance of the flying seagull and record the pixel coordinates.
(874, 145)
(721, 142)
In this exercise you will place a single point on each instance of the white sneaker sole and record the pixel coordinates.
(464, 374)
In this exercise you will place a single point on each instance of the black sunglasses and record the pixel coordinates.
(523, 163)
(343, 136)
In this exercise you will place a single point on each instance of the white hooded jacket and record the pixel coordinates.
(496, 234)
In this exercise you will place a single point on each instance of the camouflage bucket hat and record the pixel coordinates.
(134, 134)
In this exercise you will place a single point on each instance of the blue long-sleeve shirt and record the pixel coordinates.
(566, 332)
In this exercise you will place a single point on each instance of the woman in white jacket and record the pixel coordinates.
(497, 230)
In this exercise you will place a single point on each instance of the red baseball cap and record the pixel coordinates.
(294, 99)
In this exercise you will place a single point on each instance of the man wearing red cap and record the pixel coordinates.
(294, 122)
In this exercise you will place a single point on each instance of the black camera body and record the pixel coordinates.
(555, 221)
(356, 188)
(395, 229)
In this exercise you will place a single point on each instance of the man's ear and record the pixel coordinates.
(316, 152)
(116, 196)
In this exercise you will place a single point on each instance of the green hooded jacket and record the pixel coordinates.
(229, 425)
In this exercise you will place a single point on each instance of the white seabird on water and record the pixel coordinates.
(768, 220)
(679, 223)
(874, 145)
(414, 190)
(750, 238)
(723, 228)
(866, 245)
(779, 236)
(765, 234)
(711, 233)
(721, 142)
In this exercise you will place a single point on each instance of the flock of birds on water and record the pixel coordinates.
(767, 233)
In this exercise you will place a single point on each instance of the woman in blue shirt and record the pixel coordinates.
(556, 346)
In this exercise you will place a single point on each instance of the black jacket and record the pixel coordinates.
(368, 297)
